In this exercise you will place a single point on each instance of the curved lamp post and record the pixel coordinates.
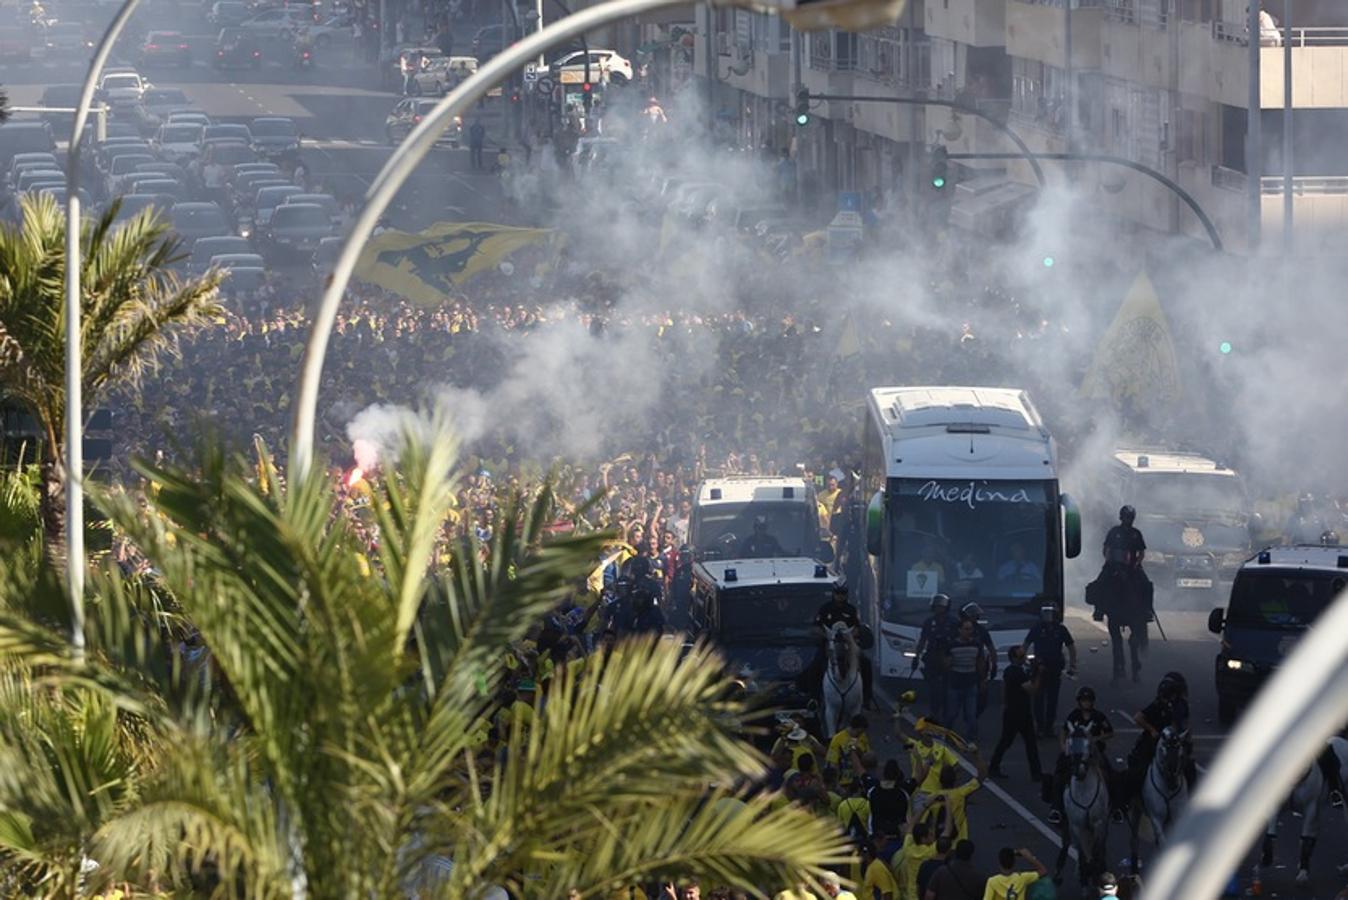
(74, 363)
(396, 171)
(1278, 739)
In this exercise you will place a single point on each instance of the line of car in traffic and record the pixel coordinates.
(224, 183)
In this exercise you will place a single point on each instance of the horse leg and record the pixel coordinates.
(1064, 845)
(1307, 848)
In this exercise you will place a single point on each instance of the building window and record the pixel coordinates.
(893, 55)
(1039, 93)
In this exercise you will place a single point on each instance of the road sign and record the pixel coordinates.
(574, 76)
(546, 85)
(531, 73)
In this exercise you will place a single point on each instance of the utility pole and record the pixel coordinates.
(1288, 166)
(713, 67)
(1071, 80)
(1254, 133)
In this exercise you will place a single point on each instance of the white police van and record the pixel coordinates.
(725, 511)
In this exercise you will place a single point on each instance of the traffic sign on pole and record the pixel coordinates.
(531, 73)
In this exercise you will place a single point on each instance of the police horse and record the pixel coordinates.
(1164, 791)
(1085, 803)
(841, 689)
(1307, 800)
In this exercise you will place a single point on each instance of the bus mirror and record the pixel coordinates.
(875, 517)
(1071, 521)
(1216, 621)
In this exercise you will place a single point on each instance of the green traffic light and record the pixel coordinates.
(1224, 347)
(938, 182)
(1048, 262)
(802, 119)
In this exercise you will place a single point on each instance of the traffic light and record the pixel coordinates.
(1049, 262)
(940, 167)
(803, 107)
(587, 94)
(1225, 348)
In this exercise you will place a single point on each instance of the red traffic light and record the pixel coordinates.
(515, 98)
(586, 88)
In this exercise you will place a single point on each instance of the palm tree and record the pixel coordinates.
(338, 751)
(133, 306)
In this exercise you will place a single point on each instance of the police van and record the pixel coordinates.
(1276, 597)
(726, 509)
(1193, 512)
(760, 613)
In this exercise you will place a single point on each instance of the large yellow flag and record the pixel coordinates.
(849, 338)
(426, 265)
(1135, 361)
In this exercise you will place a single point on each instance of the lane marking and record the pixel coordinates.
(990, 786)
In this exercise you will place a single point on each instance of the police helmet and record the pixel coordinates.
(940, 601)
(1173, 684)
(840, 591)
(1048, 613)
(1127, 514)
(1085, 692)
(971, 610)
(760, 522)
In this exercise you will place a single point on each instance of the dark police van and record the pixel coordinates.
(1277, 595)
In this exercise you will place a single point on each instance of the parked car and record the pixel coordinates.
(228, 12)
(24, 137)
(408, 113)
(146, 183)
(179, 143)
(236, 48)
(165, 48)
(605, 65)
(196, 220)
(274, 136)
(206, 248)
(296, 228)
(442, 74)
(160, 103)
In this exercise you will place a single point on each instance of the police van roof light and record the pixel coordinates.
(821, 570)
(731, 575)
(1265, 557)
(716, 493)
(1143, 461)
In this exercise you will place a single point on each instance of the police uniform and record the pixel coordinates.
(1093, 724)
(830, 614)
(1049, 642)
(1129, 599)
(938, 633)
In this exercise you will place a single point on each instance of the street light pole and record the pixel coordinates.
(74, 435)
(396, 171)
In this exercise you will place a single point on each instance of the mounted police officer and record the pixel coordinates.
(1169, 709)
(839, 609)
(938, 633)
(1084, 719)
(1122, 593)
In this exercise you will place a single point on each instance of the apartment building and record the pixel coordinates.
(1162, 83)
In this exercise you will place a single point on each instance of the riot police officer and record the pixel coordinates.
(1123, 592)
(839, 609)
(938, 633)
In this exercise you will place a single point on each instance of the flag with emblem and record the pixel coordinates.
(1134, 364)
(426, 266)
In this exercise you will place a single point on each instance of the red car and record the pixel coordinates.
(165, 48)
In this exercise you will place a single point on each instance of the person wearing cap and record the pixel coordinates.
(1109, 886)
(938, 633)
(1054, 649)
(797, 741)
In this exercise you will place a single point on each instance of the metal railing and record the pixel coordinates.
(833, 51)
(1306, 184)
(1152, 13)
(1318, 36)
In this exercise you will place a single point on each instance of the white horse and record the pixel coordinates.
(842, 680)
(1085, 801)
(1308, 800)
(1165, 790)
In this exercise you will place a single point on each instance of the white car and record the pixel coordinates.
(605, 65)
(179, 142)
(119, 88)
(442, 74)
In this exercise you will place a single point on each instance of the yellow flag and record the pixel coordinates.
(849, 339)
(1135, 361)
(426, 266)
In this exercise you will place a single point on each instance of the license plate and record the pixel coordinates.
(1195, 582)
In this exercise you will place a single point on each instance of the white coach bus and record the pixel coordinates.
(964, 501)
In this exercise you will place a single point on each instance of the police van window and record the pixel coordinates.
(1164, 493)
(1279, 601)
(723, 526)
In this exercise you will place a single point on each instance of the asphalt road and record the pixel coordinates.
(1009, 811)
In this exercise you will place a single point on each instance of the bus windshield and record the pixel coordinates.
(723, 527)
(995, 542)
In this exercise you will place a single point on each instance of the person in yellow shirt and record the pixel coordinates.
(854, 809)
(877, 881)
(955, 797)
(846, 748)
(928, 757)
(1001, 885)
(799, 741)
(799, 892)
(918, 847)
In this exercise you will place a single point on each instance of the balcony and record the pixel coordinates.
(1037, 31)
(974, 22)
(1319, 69)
